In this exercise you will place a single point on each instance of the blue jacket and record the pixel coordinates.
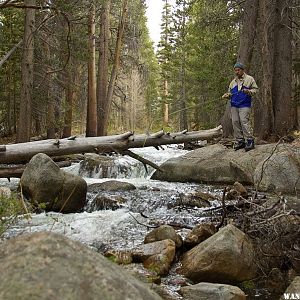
(240, 99)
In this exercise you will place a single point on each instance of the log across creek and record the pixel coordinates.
(21, 153)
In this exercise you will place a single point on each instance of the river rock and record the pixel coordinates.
(240, 189)
(103, 166)
(293, 290)
(118, 256)
(50, 266)
(218, 164)
(46, 185)
(210, 164)
(205, 291)
(226, 257)
(111, 186)
(157, 256)
(199, 233)
(103, 202)
(163, 232)
(195, 199)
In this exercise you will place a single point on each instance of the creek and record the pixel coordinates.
(124, 228)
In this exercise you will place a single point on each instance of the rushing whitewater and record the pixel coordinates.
(122, 228)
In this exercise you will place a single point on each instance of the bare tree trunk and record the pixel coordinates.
(183, 112)
(24, 127)
(182, 100)
(9, 100)
(107, 105)
(226, 121)
(102, 83)
(283, 106)
(50, 116)
(247, 37)
(296, 65)
(166, 105)
(69, 93)
(265, 114)
(91, 120)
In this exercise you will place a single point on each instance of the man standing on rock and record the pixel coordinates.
(240, 91)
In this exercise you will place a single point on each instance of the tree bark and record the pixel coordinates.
(20, 153)
(102, 83)
(283, 106)
(24, 125)
(265, 119)
(226, 121)
(182, 100)
(69, 93)
(247, 37)
(166, 105)
(91, 119)
(114, 73)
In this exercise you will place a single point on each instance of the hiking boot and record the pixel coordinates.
(240, 144)
(249, 145)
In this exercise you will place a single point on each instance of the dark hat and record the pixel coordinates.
(239, 65)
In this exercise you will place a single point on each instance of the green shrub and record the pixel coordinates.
(10, 208)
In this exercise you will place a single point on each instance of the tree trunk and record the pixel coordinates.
(247, 36)
(265, 114)
(183, 113)
(20, 153)
(166, 105)
(226, 121)
(114, 72)
(103, 68)
(24, 127)
(283, 106)
(69, 93)
(17, 171)
(50, 116)
(91, 120)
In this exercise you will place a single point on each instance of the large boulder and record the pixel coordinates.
(163, 232)
(225, 257)
(293, 290)
(209, 164)
(215, 291)
(50, 266)
(46, 185)
(279, 165)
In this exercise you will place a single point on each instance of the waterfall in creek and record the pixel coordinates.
(151, 203)
(120, 229)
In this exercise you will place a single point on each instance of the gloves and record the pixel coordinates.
(226, 96)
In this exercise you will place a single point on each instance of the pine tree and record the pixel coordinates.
(165, 56)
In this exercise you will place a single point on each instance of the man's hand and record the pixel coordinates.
(248, 92)
(226, 96)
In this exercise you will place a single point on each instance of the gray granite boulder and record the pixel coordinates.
(45, 265)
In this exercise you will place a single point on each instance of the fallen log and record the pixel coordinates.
(23, 152)
(17, 170)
